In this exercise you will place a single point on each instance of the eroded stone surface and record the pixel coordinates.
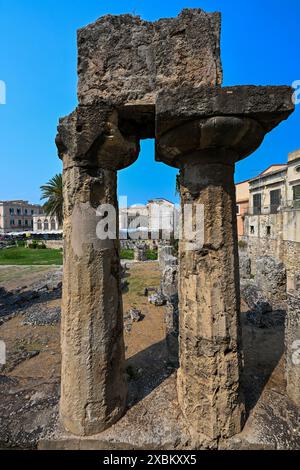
(126, 59)
(127, 67)
(93, 383)
(292, 345)
(271, 279)
(235, 118)
(210, 361)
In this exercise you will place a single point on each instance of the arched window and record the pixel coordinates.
(53, 224)
(46, 224)
(39, 225)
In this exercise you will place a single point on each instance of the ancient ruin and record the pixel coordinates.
(157, 80)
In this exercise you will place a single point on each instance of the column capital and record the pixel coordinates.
(195, 123)
(90, 137)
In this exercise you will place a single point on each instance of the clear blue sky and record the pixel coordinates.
(260, 46)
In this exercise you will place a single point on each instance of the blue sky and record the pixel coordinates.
(260, 46)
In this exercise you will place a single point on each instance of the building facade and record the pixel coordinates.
(17, 216)
(154, 220)
(272, 224)
(242, 205)
(45, 224)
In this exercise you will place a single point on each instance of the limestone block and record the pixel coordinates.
(271, 279)
(124, 59)
(292, 346)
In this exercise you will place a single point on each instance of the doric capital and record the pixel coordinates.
(90, 137)
(191, 121)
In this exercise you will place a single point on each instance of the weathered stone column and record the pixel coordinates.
(93, 391)
(210, 348)
(203, 132)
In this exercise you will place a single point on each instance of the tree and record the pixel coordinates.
(53, 192)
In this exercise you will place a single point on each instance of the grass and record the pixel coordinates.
(20, 256)
(142, 275)
(152, 255)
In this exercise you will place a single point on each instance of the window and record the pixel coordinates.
(12, 222)
(18, 211)
(53, 224)
(252, 229)
(296, 196)
(26, 211)
(32, 212)
(268, 230)
(11, 211)
(275, 199)
(257, 204)
(26, 223)
(46, 225)
(237, 209)
(20, 223)
(39, 225)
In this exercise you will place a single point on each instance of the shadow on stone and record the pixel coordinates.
(146, 370)
(263, 349)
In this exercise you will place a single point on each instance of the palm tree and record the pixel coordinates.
(53, 192)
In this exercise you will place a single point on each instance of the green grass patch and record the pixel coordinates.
(26, 257)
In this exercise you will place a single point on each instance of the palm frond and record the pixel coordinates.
(53, 193)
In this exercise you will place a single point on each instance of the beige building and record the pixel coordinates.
(272, 225)
(149, 220)
(43, 223)
(242, 205)
(17, 216)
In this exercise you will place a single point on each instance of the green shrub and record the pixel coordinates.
(127, 254)
(242, 244)
(152, 255)
(32, 246)
(35, 245)
(41, 246)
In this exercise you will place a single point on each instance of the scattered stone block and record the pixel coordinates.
(272, 280)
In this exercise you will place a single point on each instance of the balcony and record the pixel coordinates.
(273, 208)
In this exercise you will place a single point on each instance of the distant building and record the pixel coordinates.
(45, 224)
(17, 216)
(148, 221)
(242, 205)
(272, 224)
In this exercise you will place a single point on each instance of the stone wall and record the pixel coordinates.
(54, 244)
(271, 279)
(292, 343)
(282, 243)
(287, 252)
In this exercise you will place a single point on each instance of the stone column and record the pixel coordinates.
(203, 131)
(210, 361)
(93, 390)
(93, 385)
